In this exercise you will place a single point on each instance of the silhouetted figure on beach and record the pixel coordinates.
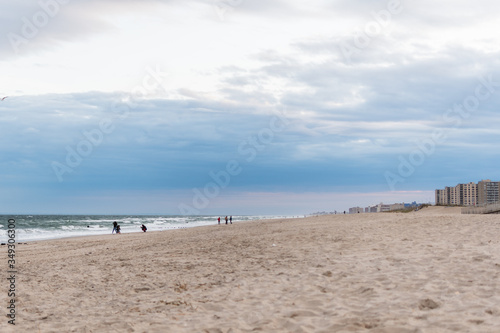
(226, 219)
(118, 229)
(218, 220)
(115, 224)
(143, 227)
(231, 219)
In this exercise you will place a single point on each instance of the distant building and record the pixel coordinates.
(412, 204)
(355, 210)
(470, 194)
(381, 207)
(397, 206)
(457, 195)
(443, 197)
(487, 192)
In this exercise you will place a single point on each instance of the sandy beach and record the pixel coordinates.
(428, 271)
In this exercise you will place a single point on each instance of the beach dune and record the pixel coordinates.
(428, 271)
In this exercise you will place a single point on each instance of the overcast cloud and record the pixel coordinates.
(136, 106)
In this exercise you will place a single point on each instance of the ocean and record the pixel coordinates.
(42, 227)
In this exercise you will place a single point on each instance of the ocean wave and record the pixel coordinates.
(41, 227)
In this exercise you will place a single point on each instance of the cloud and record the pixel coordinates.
(175, 144)
(349, 117)
(29, 28)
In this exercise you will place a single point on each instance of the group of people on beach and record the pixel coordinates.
(116, 228)
(230, 219)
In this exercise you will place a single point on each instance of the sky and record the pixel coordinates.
(243, 106)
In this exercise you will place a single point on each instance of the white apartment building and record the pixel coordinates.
(470, 194)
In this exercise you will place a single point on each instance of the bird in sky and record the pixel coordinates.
(3, 98)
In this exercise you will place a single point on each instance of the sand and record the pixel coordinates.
(428, 271)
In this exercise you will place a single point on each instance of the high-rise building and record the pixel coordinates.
(457, 195)
(470, 194)
(487, 192)
(443, 197)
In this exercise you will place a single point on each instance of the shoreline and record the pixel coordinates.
(27, 231)
(150, 232)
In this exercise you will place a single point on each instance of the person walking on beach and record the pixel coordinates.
(226, 219)
(114, 226)
(218, 220)
(143, 227)
(231, 219)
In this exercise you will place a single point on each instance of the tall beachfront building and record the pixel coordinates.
(487, 191)
(443, 196)
(470, 194)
